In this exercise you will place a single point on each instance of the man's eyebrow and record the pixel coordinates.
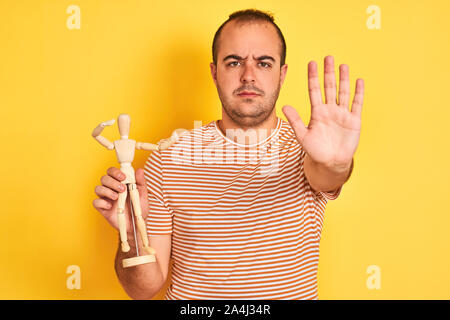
(234, 56)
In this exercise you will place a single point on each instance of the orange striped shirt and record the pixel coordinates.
(244, 221)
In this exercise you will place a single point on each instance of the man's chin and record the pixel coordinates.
(249, 120)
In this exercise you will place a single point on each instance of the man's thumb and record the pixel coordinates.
(140, 181)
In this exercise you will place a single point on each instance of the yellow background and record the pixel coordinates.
(150, 59)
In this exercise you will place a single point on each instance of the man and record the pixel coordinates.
(238, 204)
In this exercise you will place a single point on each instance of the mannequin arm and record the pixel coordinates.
(102, 140)
(147, 146)
(163, 143)
(166, 143)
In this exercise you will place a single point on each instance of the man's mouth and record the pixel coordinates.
(248, 94)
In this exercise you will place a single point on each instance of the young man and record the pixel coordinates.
(238, 204)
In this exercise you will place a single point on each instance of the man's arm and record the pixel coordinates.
(326, 178)
(331, 138)
(144, 281)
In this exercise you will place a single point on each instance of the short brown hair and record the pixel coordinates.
(250, 15)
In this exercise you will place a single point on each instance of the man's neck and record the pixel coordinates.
(248, 135)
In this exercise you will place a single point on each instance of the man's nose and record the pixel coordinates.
(248, 74)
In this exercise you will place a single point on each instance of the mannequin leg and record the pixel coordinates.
(122, 221)
(134, 194)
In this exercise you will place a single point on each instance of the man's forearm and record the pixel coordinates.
(326, 178)
(141, 281)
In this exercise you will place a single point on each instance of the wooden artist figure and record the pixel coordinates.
(125, 154)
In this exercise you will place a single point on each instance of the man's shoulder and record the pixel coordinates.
(200, 135)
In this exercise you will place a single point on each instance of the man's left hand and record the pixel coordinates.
(332, 135)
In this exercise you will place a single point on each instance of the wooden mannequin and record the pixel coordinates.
(125, 155)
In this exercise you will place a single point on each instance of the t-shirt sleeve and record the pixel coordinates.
(332, 195)
(159, 218)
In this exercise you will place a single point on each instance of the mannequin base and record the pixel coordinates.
(131, 262)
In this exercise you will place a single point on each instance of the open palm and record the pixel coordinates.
(332, 135)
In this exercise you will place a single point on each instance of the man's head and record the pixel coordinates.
(249, 54)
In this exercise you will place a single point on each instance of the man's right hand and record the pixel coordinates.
(108, 194)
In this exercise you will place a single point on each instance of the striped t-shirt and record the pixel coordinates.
(244, 221)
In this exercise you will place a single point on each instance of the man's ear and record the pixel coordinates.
(283, 72)
(213, 68)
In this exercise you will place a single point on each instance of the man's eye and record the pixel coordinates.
(263, 64)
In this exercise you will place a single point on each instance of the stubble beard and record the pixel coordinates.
(249, 112)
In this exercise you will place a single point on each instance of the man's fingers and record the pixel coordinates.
(344, 86)
(101, 204)
(295, 121)
(329, 80)
(315, 95)
(116, 173)
(113, 184)
(358, 98)
(104, 192)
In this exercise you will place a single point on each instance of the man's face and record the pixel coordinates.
(248, 61)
